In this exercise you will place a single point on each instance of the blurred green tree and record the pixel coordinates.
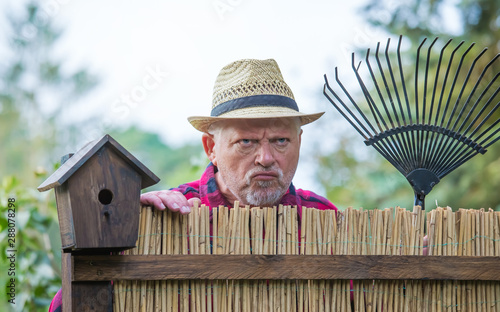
(416, 19)
(36, 244)
(35, 92)
(352, 178)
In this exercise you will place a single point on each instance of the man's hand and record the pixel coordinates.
(426, 246)
(172, 200)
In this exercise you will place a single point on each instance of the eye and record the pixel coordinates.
(281, 141)
(245, 143)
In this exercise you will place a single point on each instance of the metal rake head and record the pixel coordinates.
(428, 122)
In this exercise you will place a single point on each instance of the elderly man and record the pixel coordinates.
(252, 140)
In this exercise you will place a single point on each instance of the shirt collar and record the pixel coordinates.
(212, 196)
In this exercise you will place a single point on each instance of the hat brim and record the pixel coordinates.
(202, 123)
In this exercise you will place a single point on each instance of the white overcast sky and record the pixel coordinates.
(157, 60)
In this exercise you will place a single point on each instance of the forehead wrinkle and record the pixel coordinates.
(255, 128)
(273, 125)
(260, 133)
(234, 133)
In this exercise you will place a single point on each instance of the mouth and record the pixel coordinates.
(265, 176)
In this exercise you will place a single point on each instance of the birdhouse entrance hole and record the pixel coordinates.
(105, 196)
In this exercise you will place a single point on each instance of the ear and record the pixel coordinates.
(300, 136)
(209, 147)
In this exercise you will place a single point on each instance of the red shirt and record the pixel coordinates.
(207, 191)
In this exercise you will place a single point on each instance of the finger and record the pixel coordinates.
(194, 200)
(426, 246)
(175, 201)
(151, 199)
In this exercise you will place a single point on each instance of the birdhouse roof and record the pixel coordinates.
(69, 167)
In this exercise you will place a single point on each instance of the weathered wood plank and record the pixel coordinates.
(66, 270)
(86, 295)
(92, 296)
(162, 267)
(109, 224)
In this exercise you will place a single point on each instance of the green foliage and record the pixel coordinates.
(369, 183)
(34, 95)
(37, 244)
(35, 90)
(473, 185)
(416, 19)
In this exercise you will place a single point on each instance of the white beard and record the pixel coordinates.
(264, 197)
(263, 193)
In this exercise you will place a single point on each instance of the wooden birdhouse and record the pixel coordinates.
(97, 193)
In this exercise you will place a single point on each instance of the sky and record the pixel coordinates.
(157, 60)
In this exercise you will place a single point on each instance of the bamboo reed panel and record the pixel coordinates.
(226, 235)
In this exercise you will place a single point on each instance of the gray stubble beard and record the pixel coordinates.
(263, 197)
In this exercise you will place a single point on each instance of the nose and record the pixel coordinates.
(264, 157)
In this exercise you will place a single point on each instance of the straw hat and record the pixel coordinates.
(248, 89)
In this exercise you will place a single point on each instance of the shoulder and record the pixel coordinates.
(194, 187)
(191, 188)
(313, 200)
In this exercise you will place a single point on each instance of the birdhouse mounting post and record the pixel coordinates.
(97, 192)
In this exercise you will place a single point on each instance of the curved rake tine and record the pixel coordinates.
(453, 154)
(487, 117)
(439, 145)
(417, 111)
(429, 157)
(480, 146)
(411, 138)
(399, 141)
(444, 150)
(424, 102)
(405, 137)
(469, 73)
(452, 56)
(371, 103)
(365, 134)
(490, 136)
(474, 152)
(378, 88)
(476, 103)
(454, 82)
(383, 149)
(399, 156)
(438, 69)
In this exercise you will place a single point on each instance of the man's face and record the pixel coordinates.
(256, 159)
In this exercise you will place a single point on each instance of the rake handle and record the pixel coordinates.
(419, 200)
